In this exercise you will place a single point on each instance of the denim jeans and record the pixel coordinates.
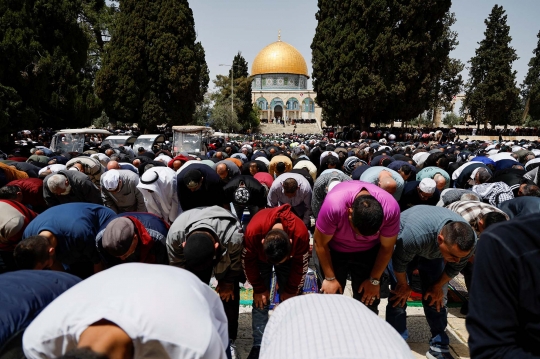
(430, 271)
(259, 317)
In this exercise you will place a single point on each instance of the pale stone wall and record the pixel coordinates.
(285, 96)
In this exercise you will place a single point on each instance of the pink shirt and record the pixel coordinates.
(333, 218)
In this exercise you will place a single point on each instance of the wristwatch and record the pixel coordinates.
(374, 281)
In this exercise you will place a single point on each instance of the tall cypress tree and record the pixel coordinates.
(377, 60)
(43, 59)
(491, 94)
(242, 90)
(153, 71)
(531, 85)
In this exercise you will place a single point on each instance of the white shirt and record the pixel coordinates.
(54, 168)
(330, 326)
(167, 312)
(458, 171)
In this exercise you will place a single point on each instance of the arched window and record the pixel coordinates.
(308, 105)
(262, 103)
(292, 104)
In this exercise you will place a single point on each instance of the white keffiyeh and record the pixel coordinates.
(494, 193)
(163, 201)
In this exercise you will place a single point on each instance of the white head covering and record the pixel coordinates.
(328, 153)
(427, 185)
(163, 158)
(263, 160)
(420, 158)
(163, 201)
(333, 183)
(110, 180)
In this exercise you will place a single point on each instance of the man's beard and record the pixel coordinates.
(68, 189)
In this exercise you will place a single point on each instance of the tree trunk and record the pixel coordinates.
(527, 107)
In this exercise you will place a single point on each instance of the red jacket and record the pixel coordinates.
(32, 190)
(180, 158)
(253, 252)
(28, 215)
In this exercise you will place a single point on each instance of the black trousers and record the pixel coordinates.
(282, 273)
(356, 264)
(232, 307)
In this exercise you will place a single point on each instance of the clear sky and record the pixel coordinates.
(226, 27)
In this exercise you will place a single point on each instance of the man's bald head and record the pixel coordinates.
(40, 153)
(387, 183)
(113, 165)
(219, 155)
(176, 165)
(440, 181)
(137, 163)
(109, 152)
(222, 171)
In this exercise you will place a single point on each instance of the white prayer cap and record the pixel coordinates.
(427, 185)
(110, 180)
(333, 183)
(420, 158)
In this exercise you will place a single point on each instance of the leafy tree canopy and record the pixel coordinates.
(44, 77)
(491, 94)
(531, 85)
(154, 71)
(452, 120)
(374, 61)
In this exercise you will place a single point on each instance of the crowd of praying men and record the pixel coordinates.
(82, 237)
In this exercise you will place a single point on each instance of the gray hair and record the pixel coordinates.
(470, 197)
(56, 182)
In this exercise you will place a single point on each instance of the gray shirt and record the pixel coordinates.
(301, 202)
(129, 198)
(228, 232)
(419, 227)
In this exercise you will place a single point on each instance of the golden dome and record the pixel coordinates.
(279, 58)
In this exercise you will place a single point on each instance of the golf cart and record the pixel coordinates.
(148, 142)
(73, 140)
(120, 140)
(191, 139)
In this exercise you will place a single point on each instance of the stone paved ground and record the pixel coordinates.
(416, 323)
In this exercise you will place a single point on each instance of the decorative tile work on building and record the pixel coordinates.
(279, 82)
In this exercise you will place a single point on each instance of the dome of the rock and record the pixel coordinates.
(279, 58)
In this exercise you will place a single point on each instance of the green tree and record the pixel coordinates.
(491, 94)
(242, 91)
(154, 71)
(449, 83)
(204, 109)
(243, 106)
(223, 119)
(102, 121)
(422, 121)
(530, 122)
(531, 86)
(43, 65)
(377, 60)
(452, 120)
